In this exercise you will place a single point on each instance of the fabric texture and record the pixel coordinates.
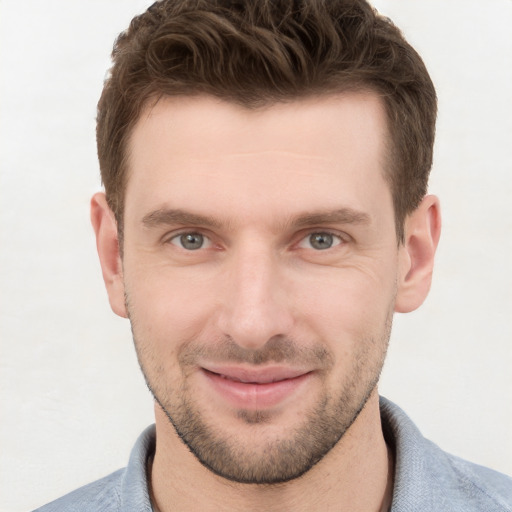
(427, 479)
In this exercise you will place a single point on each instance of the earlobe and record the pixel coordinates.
(107, 244)
(422, 232)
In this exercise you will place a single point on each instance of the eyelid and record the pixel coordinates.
(302, 236)
(168, 238)
(343, 237)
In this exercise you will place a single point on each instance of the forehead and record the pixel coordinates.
(317, 120)
(324, 149)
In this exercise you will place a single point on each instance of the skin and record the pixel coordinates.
(255, 190)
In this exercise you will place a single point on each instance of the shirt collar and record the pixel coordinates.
(419, 469)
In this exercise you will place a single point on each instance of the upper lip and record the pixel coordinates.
(264, 375)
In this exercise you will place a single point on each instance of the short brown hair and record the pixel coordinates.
(258, 52)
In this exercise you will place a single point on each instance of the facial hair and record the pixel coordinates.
(279, 459)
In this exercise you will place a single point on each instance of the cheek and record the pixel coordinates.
(350, 305)
(168, 306)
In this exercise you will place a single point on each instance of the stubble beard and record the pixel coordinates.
(274, 461)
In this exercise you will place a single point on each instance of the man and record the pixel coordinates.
(265, 213)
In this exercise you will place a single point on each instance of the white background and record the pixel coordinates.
(72, 400)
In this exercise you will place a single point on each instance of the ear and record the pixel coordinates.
(422, 231)
(107, 243)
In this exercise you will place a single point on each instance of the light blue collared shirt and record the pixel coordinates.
(427, 479)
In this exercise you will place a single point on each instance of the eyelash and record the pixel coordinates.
(339, 239)
(324, 233)
(179, 236)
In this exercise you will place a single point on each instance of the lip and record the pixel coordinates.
(255, 388)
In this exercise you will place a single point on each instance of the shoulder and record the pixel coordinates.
(126, 490)
(429, 479)
(103, 494)
(487, 489)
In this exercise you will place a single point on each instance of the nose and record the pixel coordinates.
(256, 306)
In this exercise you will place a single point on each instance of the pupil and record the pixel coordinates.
(321, 241)
(192, 241)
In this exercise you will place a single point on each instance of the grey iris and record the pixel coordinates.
(321, 241)
(192, 241)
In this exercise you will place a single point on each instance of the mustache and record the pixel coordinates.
(278, 349)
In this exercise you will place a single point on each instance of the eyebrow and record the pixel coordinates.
(339, 216)
(169, 217)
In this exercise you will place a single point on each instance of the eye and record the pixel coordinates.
(191, 241)
(320, 241)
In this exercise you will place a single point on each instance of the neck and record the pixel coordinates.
(356, 475)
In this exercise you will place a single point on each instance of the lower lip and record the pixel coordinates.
(255, 396)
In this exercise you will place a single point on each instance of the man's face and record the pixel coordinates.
(260, 272)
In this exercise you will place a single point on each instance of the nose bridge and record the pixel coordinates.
(254, 310)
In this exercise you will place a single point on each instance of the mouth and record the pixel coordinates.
(265, 375)
(250, 388)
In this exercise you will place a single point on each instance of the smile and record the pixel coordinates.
(255, 389)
